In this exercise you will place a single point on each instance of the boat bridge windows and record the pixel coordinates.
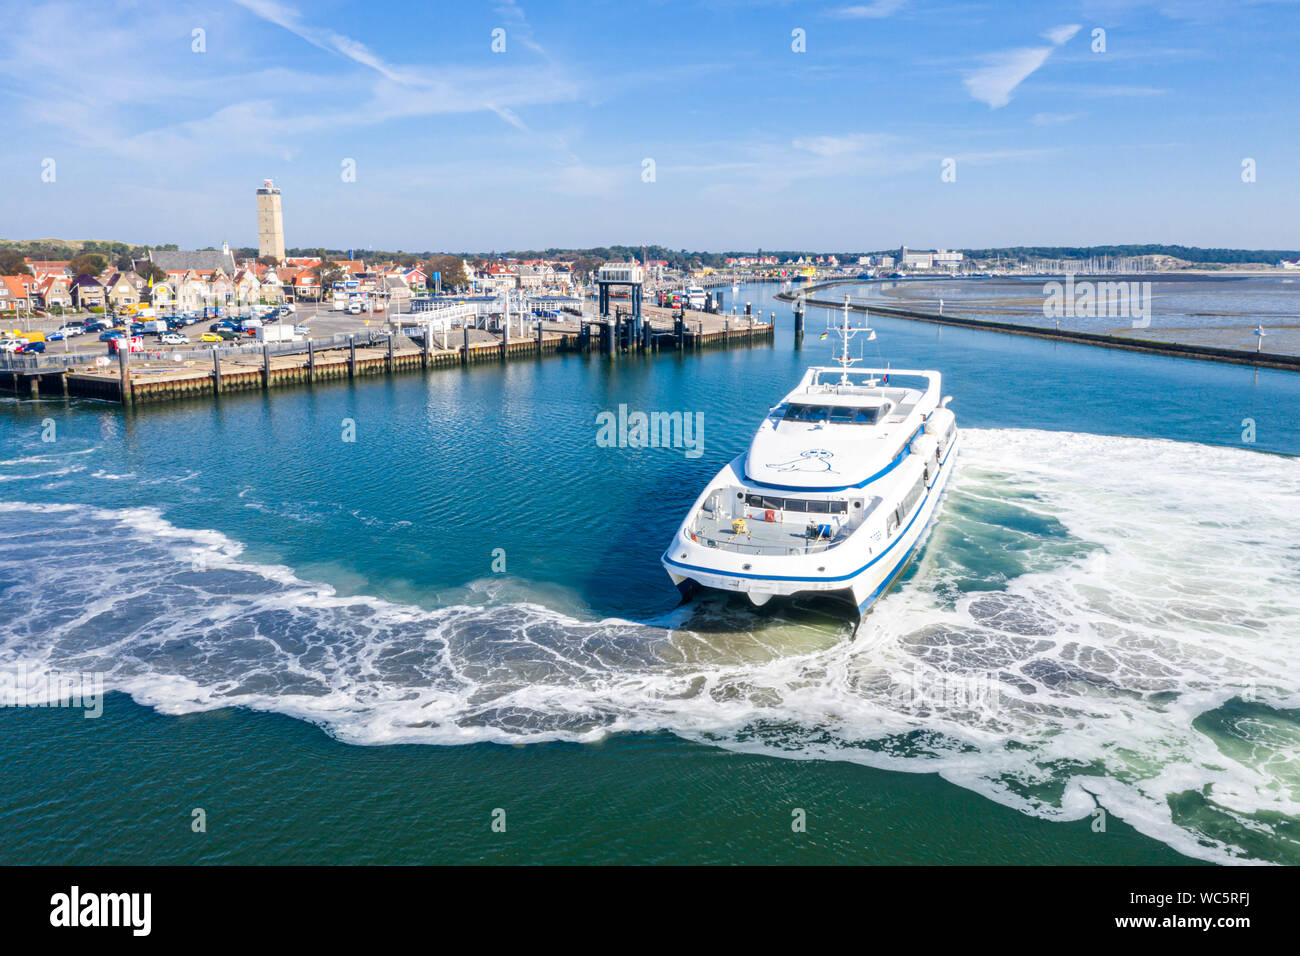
(836, 414)
(799, 505)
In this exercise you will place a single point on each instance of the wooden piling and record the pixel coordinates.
(125, 375)
(352, 356)
(216, 372)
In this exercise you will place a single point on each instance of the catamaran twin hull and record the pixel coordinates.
(833, 497)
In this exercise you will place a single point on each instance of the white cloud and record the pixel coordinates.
(994, 82)
(291, 20)
(869, 11)
(1054, 119)
(834, 145)
(1062, 34)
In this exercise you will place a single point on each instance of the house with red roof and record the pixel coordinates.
(17, 293)
(52, 292)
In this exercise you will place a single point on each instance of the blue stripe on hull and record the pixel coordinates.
(842, 577)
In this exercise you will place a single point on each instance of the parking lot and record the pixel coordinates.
(318, 318)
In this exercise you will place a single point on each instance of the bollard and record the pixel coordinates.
(122, 361)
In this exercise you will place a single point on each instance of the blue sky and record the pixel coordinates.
(754, 145)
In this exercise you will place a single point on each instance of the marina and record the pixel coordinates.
(426, 664)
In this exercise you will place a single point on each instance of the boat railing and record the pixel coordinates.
(746, 547)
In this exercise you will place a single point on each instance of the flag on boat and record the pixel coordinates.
(823, 335)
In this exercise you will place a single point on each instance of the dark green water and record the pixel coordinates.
(278, 791)
(319, 651)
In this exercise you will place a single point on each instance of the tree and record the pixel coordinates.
(328, 273)
(12, 264)
(452, 269)
(148, 271)
(268, 261)
(88, 264)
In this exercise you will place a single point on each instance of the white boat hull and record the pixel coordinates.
(854, 571)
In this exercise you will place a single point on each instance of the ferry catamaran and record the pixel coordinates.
(835, 493)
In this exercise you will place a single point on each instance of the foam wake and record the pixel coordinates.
(1094, 621)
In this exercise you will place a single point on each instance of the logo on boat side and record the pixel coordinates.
(814, 459)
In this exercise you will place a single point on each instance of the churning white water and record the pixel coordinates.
(1094, 621)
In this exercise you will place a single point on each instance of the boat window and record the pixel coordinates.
(835, 414)
(799, 505)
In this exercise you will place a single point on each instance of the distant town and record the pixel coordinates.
(103, 276)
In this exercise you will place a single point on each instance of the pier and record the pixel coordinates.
(161, 375)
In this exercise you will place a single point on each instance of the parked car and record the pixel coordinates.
(209, 337)
(31, 348)
(10, 345)
(111, 334)
(55, 336)
(227, 334)
(174, 338)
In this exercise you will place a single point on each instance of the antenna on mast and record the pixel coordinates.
(846, 334)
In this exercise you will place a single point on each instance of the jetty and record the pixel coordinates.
(413, 342)
(1257, 358)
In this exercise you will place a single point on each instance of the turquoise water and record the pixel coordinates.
(1115, 571)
